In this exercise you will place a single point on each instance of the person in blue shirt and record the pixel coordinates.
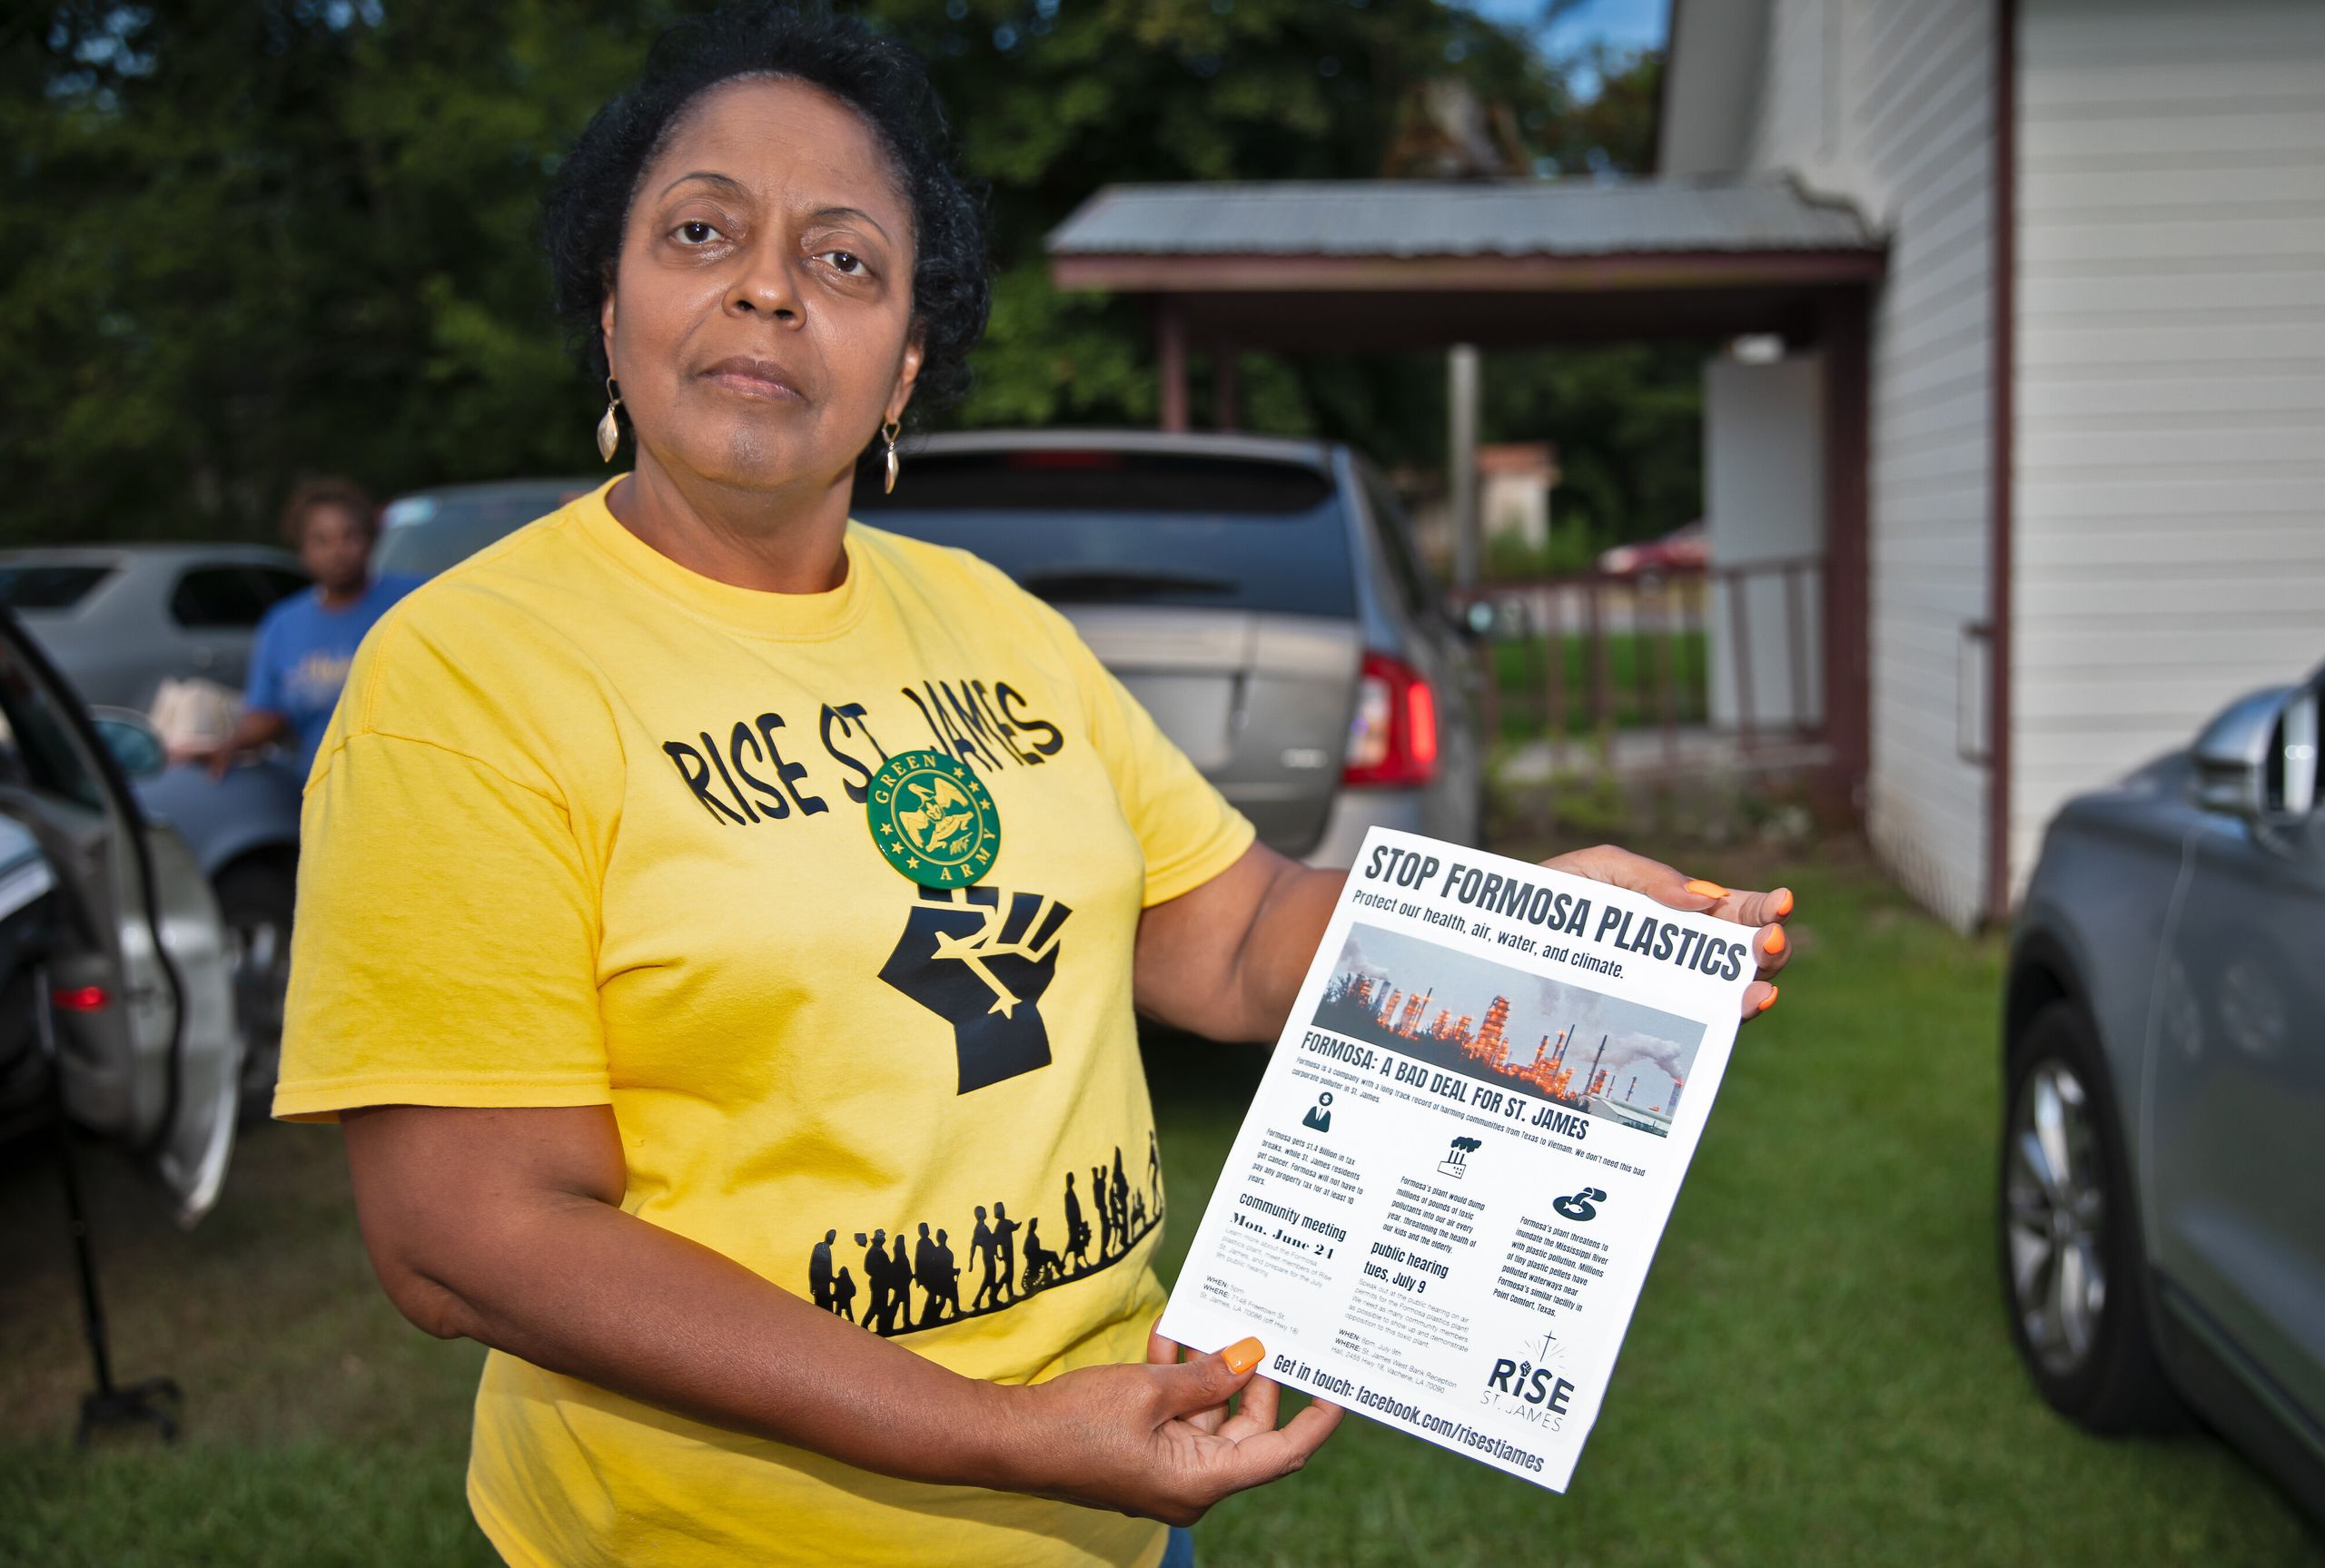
(307, 642)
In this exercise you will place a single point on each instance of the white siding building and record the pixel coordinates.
(2096, 456)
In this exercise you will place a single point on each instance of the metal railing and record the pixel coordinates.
(1655, 671)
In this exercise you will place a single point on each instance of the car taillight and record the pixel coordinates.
(80, 998)
(1392, 740)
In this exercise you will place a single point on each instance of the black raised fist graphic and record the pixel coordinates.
(980, 960)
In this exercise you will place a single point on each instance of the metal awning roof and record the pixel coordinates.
(1414, 219)
(1395, 263)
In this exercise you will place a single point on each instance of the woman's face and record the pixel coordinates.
(759, 325)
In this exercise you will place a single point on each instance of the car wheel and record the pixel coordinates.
(2073, 1272)
(254, 902)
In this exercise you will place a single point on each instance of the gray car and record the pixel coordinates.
(119, 619)
(243, 830)
(149, 1053)
(1261, 597)
(422, 533)
(2162, 1214)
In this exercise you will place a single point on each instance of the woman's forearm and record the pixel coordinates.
(1225, 958)
(1282, 943)
(568, 1281)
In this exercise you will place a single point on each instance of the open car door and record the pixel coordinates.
(148, 1052)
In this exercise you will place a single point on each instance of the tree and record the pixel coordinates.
(244, 238)
(1627, 420)
(239, 242)
(1053, 102)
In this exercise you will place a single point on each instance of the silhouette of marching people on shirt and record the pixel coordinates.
(1041, 1264)
(894, 1270)
(819, 1271)
(1077, 1229)
(875, 1278)
(939, 1280)
(981, 1249)
(1121, 1202)
(1004, 1248)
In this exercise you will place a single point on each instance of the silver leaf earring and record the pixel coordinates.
(889, 430)
(609, 428)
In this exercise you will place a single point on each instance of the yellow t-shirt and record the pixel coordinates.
(591, 829)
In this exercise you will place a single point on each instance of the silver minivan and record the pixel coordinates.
(121, 619)
(1259, 596)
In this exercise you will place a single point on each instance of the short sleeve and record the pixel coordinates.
(263, 691)
(445, 948)
(1186, 828)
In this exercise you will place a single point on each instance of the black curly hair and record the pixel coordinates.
(588, 205)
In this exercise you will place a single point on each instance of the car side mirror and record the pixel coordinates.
(134, 744)
(2258, 758)
(1472, 621)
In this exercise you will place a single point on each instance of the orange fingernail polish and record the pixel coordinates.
(1784, 901)
(1769, 1000)
(1706, 889)
(1244, 1354)
(1775, 942)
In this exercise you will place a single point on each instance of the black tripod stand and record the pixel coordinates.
(154, 1402)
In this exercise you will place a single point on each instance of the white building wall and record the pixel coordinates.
(1890, 103)
(1764, 503)
(2170, 475)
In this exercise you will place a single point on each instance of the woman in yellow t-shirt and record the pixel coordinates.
(721, 925)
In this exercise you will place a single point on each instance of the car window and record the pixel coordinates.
(49, 585)
(276, 584)
(2288, 778)
(216, 599)
(424, 534)
(1088, 526)
(1394, 529)
(39, 749)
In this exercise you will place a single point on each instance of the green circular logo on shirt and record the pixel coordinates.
(932, 819)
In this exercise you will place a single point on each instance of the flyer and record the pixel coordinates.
(1441, 1206)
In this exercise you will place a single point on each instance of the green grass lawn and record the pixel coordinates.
(1818, 1372)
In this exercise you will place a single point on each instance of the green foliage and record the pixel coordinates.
(1628, 422)
(1051, 102)
(1613, 130)
(239, 242)
(244, 240)
(1628, 419)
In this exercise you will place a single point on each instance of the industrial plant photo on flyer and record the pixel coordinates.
(1576, 1047)
(1441, 1206)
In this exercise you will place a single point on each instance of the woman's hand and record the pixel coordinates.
(257, 729)
(1158, 1440)
(1768, 911)
(212, 755)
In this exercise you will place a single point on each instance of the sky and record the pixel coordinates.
(1657, 1045)
(1621, 23)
